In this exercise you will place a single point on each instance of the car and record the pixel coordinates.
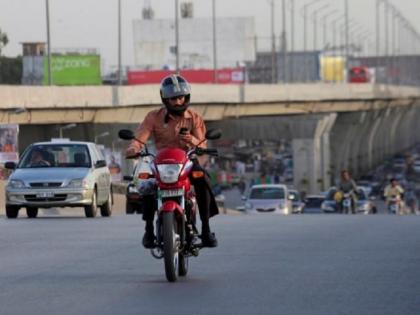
(297, 204)
(59, 173)
(141, 189)
(268, 198)
(313, 203)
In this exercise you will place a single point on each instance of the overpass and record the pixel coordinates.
(331, 126)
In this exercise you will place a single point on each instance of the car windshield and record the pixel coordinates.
(267, 193)
(56, 155)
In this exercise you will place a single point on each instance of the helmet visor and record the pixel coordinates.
(172, 90)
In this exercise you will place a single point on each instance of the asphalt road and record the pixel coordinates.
(265, 264)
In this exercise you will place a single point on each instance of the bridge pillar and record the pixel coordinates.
(311, 153)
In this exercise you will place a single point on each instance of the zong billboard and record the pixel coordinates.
(74, 70)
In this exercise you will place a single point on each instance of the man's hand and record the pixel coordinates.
(187, 138)
(130, 152)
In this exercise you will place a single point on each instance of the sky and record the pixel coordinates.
(93, 23)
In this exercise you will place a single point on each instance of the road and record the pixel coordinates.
(265, 264)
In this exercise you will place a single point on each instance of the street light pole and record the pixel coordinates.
(273, 46)
(305, 17)
(292, 40)
(284, 42)
(119, 44)
(177, 36)
(315, 21)
(346, 13)
(48, 41)
(214, 42)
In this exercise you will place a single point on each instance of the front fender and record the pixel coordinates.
(171, 206)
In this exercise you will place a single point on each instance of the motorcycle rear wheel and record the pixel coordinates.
(170, 246)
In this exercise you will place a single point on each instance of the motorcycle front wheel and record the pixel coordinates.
(170, 246)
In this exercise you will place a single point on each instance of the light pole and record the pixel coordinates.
(48, 41)
(101, 135)
(66, 127)
(214, 42)
(324, 26)
(176, 36)
(305, 17)
(119, 44)
(273, 46)
(284, 42)
(292, 40)
(315, 21)
(335, 46)
(346, 14)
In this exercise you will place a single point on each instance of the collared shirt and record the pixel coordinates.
(164, 128)
(393, 191)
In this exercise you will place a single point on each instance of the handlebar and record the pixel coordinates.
(202, 151)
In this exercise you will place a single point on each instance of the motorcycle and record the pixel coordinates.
(177, 238)
(347, 201)
(394, 204)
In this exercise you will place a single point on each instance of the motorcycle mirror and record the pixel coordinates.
(126, 134)
(213, 134)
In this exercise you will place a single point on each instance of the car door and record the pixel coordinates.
(101, 174)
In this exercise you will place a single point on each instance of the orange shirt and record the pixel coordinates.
(165, 134)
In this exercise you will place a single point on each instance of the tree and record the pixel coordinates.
(3, 40)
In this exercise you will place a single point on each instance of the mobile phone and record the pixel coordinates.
(183, 131)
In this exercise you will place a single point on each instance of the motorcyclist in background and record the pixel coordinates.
(393, 189)
(177, 126)
(348, 185)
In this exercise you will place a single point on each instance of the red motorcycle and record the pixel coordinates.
(176, 234)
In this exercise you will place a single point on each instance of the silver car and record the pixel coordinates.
(59, 174)
(267, 198)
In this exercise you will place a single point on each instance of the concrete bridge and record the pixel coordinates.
(331, 126)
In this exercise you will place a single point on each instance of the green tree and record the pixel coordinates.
(3, 40)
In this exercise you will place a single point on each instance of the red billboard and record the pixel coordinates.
(224, 76)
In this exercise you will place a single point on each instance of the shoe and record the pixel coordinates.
(149, 240)
(209, 240)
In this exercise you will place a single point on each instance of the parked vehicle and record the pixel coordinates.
(59, 174)
(359, 75)
(141, 189)
(297, 204)
(266, 198)
(177, 236)
(313, 203)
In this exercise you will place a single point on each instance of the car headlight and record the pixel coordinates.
(326, 207)
(77, 183)
(248, 205)
(169, 172)
(16, 183)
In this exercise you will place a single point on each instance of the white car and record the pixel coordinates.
(268, 198)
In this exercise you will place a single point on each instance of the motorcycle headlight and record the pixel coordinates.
(16, 183)
(77, 183)
(169, 173)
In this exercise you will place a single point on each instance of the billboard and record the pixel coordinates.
(74, 70)
(224, 76)
(333, 68)
(155, 48)
(8, 146)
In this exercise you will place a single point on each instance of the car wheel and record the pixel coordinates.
(129, 207)
(92, 209)
(106, 208)
(31, 212)
(12, 212)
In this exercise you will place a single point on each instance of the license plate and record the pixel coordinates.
(45, 194)
(171, 193)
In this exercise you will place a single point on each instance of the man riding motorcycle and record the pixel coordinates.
(393, 190)
(348, 186)
(178, 126)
